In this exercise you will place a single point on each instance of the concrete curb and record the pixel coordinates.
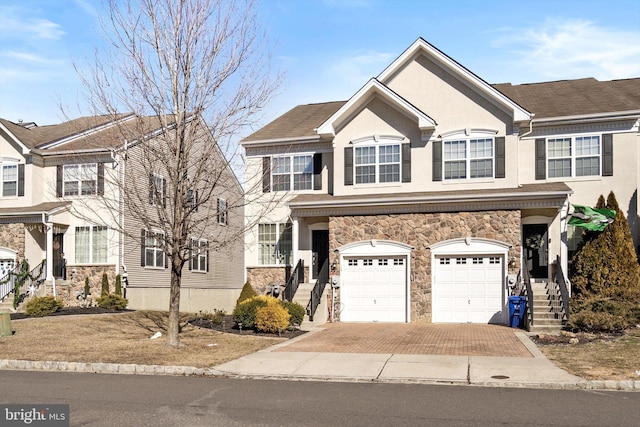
(132, 369)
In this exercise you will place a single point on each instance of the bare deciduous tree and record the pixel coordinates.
(194, 73)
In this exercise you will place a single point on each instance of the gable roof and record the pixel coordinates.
(421, 46)
(298, 123)
(374, 87)
(565, 98)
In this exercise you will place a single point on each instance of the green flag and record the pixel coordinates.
(593, 219)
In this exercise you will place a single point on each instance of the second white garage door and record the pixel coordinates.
(468, 289)
(374, 289)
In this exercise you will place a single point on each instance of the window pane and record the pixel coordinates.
(481, 148)
(455, 170)
(588, 166)
(481, 168)
(281, 165)
(389, 154)
(99, 244)
(82, 245)
(587, 146)
(148, 254)
(390, 173)
(365, 155)
(559, 168)
(285, 245)
(302, 181)
(267, 243)
(281, 182)
(303, 164)
(560, 147)
(159, 258)
(454, 150)
(365, 174)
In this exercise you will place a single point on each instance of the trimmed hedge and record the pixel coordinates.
(112, 301)
(42, 306)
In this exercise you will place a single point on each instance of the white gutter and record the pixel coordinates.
(614, 115)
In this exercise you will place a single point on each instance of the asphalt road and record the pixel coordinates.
(126, 400)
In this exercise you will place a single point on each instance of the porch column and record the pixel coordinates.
(564, 250)
(49, 256)
(295, 231)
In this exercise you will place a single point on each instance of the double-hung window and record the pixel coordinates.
(157, 190)
(91, 245)
(468, 158)
(292, 172)
(377, 164)
(199, 255)
(153, 252)
(275, 244)
(80, 179)
(573, 156)
(222, 212)
(9, 180)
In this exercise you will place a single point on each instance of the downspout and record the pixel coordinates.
(121, 179)
(48, 227)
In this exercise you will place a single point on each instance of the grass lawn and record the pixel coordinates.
(123, 338)
(610, 359)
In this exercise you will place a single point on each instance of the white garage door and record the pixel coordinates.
(468, 289)
(374, 289)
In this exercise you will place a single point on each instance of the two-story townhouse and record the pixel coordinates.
(430, 191)
(62, 202)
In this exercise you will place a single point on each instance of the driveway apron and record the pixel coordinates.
(413, 338)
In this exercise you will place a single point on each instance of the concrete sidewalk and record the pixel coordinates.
(529, 371)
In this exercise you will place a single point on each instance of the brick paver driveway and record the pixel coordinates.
(414, 338)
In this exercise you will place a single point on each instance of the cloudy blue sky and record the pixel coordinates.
(330, 48)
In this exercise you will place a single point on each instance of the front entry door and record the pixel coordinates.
(59, 264)
(320, 249)
(536, 249)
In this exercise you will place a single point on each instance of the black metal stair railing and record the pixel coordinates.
(564, 292)
(297, 277)
(318, 290)
(529, 290)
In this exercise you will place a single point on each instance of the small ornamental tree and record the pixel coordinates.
(246, 293)
(118, 285)
(606, 277)
(105, 285)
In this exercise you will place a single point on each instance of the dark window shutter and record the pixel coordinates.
(59, 181)
(100, 179)
(20, 180)
(164, 193)
(500, 157)
(607, 154)
(348, 165)
(541, 158)
(266, 174)
(166, 260)
(437, 161)
(219, 218)
(406, 162)
(191, 254)
(152, 189)
(196, 202)
(317, 171)
(143, 241)
(207, 257)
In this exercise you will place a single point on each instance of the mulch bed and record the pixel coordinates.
(67, 311)
(574, 338)
(228, 326)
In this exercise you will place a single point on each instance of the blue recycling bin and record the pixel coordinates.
(517, 306)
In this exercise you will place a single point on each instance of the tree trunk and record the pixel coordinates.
(173, 328)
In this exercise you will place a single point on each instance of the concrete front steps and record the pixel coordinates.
(547, 317)
(303, 296)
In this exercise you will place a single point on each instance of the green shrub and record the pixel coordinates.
(87, 288)
(296, 311)
(245, 312)
(603, 315)
(215, 317)
(42, 306)
(112, 301)
(246, 293)
(105, 285)
(118, 285)
(273, 318)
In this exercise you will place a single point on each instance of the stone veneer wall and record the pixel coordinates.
(75, 283)
(12, 237)
(421, 231)
(260, 277)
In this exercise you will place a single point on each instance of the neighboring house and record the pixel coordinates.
(60, 202)
(430, 192)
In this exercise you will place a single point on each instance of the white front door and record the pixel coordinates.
(468, 289)
(373, 289)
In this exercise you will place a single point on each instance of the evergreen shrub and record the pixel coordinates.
(42, 306)
(273, 318)
(246, 293)
(112, 302)
(245, 312)
(296, 311)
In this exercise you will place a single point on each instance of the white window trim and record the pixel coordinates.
(377, 141)
(158, 190)
(197, 251)
(79, 181)
(92, 229)
(4, 163)
(223, 212)
(155, 249)
(573, 157)
(467, 136)
(291, 173)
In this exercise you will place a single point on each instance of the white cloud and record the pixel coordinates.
(31, 58)
(573, 49)
(358, 67)
(87, 7)
(18, 27)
